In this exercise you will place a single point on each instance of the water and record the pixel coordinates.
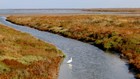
(56, 11)
(41, 11)
(89, 62)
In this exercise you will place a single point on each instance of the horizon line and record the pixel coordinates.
(68, 8)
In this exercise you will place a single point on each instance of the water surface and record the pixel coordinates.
(57, 11)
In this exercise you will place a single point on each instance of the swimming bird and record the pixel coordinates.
(69, 61)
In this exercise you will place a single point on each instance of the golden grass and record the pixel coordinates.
(111, 32)
(25, 57)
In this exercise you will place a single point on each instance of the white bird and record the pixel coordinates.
(69, 61)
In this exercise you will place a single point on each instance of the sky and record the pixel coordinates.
(46, 4)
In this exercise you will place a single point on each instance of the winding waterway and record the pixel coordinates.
(89, 62)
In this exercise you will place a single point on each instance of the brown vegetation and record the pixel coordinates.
(27, 59)
(110, 32)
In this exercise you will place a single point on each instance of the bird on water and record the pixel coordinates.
(69, 61)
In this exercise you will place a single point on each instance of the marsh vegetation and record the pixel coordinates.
(24, 57)
(109, 32)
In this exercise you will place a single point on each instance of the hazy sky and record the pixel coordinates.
(8, 4)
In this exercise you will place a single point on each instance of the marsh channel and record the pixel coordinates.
(89, 62)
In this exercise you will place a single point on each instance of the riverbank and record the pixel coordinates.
(110, 32)
(24, 57)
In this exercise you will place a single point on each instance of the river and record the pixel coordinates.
(89, 62)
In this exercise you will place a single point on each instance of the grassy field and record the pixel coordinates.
(109, 32)
(25, 57)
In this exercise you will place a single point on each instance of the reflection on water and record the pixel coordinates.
(89, 62)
